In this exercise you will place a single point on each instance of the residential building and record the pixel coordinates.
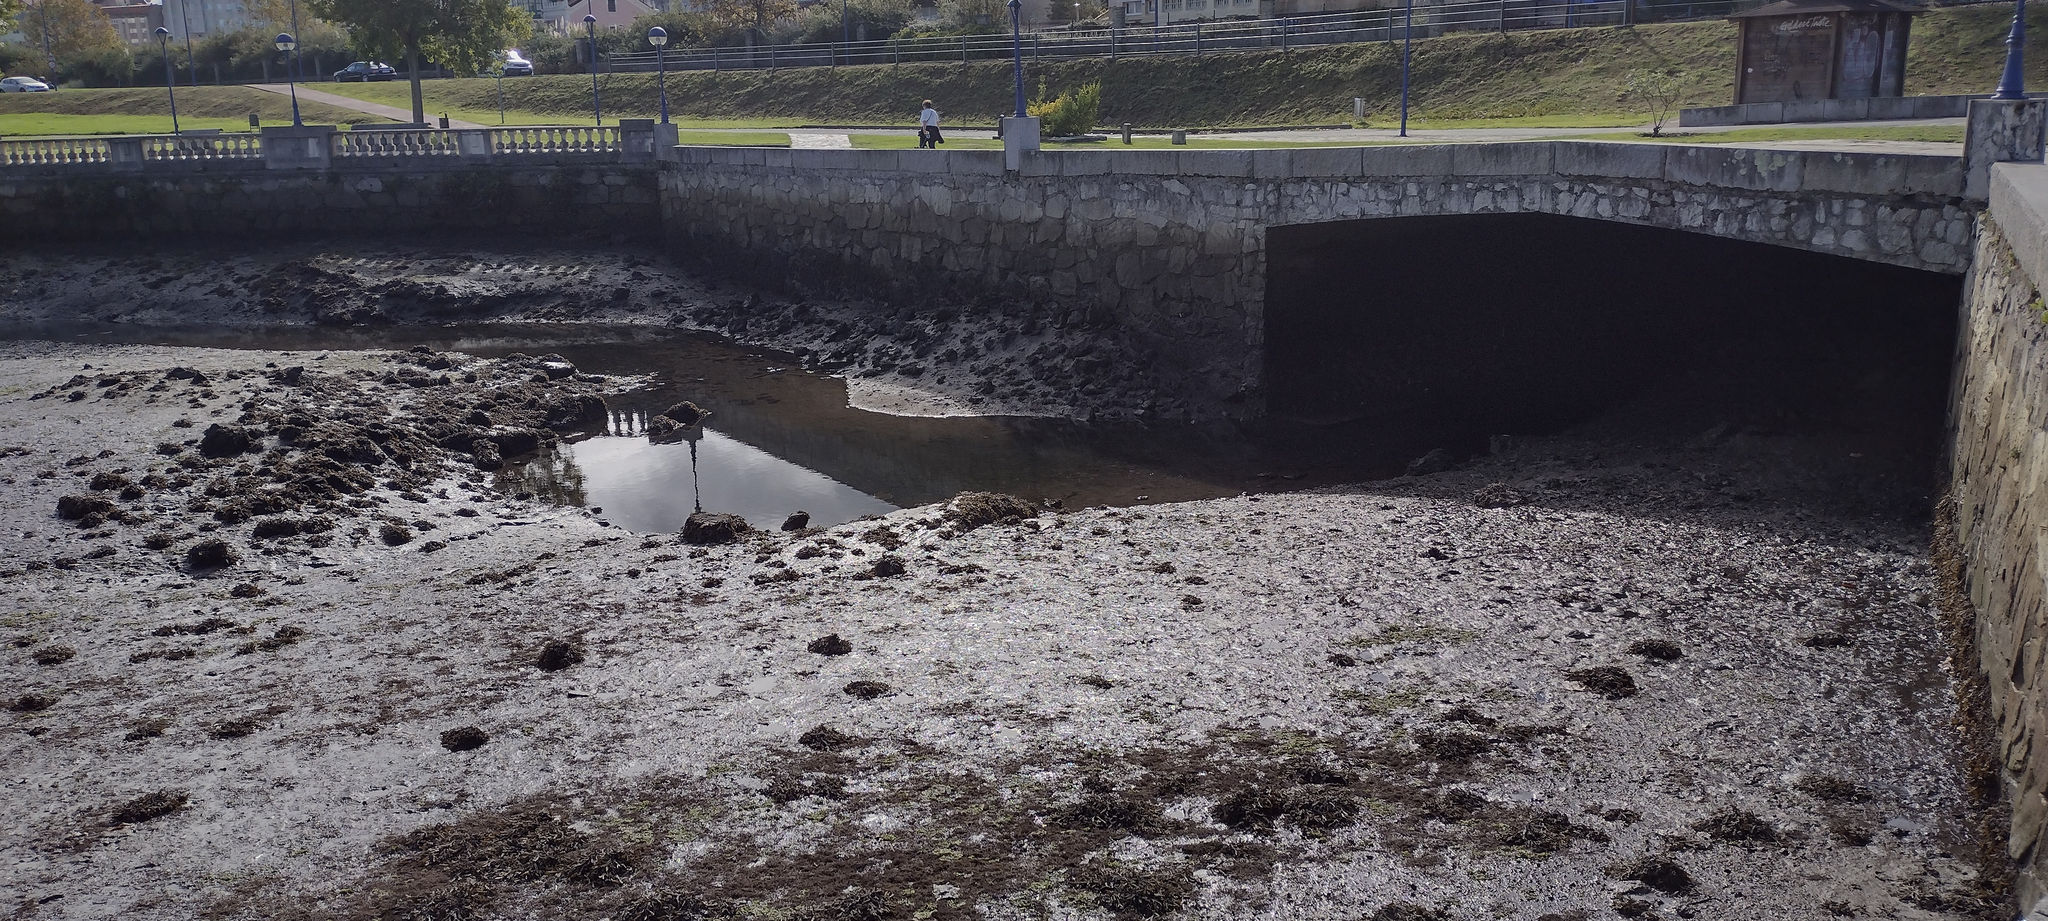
(566, 16)
(136, 23)
(200, 18)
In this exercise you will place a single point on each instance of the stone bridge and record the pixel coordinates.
(1172, 246)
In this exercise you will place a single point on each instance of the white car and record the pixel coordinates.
(23, 85)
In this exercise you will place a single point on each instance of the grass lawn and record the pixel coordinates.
(733, 138)
(1610, 120)
(1941, 134)
(475, 100)
(146, 110)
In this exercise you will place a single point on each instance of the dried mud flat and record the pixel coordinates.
(277, 647)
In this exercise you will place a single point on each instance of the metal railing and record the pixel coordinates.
(1198, 37)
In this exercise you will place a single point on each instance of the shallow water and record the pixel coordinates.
(782, 439)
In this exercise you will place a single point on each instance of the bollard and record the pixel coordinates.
(1127, 132)
(254, 121)
(444, 121)
(1180, 136)
(1358, 108)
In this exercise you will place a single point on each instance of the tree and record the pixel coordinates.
(67, 29)
(8, 10)
(754, 15)
(464, 36)
(1657, 90)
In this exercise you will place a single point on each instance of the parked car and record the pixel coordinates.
(364, 72)
(33, 85)
(516, 66)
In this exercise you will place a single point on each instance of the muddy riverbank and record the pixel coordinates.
(279, 645)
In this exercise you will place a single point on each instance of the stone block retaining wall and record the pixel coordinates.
(1999, 495)
(73, 204)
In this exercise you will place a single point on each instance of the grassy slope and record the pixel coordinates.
(1562, 78)
(198, 107)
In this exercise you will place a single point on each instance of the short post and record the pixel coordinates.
(1127, 132)
(1180, 136)
(163, 44)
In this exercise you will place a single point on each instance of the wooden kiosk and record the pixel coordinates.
(1797, 50)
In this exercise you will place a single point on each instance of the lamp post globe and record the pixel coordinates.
(596, 105)
(287, 44)
(163, 44)
(658, 37)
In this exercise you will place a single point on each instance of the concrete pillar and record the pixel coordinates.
(2001, 131)
(636, 139)
(1019, 135)
(298, 148)
(124, 154)
(666, 139)
(473, 143)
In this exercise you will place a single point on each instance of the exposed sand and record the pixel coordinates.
(1575, 679)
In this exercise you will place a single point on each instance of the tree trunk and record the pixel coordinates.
(412, 64)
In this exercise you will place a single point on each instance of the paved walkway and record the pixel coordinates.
(345, 102)
(820, 141)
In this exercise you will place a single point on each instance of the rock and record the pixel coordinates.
(149, 806)
(395, 534)
(1605, 680)
(464, 739)
(830, 645)
(211, 553)
(686, 413)
(558, 655)
(797, 521)
(1661, 650)
(867, 690)
(1659, 873)
(889, 565)
(825, 739)
(574, 412)
(970, 510)
(74, 508)
(714, 528)
(1437, 460)
(1498, 495)
(226, 441)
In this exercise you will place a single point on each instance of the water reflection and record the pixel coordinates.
(648, 486)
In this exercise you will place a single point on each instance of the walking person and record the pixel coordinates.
(928, 135)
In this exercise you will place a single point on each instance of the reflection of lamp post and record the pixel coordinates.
(163, 44)
(2013, 84)
(287, 44)
(693, 434)
(658, 37)
(1017, 54)
(596, 107)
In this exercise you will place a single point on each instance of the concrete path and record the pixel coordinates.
(344, 102)
(820, 141)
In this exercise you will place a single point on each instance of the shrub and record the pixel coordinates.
(1072, 113)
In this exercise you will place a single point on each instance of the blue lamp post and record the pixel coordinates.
(1017, 54)
(658, 37)
(163, 44)
(2013, 83)
(596, 105)
(1407, 43)
(287, 44)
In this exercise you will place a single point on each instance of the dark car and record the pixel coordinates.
(364, 72)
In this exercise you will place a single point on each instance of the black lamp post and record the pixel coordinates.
(658, 37)
(1407, 43)
(1017, 54)
(191, 63)
(596, 106)
(163, 44)
(287, 44)
(2013, 83)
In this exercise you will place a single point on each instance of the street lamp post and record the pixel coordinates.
(163, 44)
(596, 106)
(658, 37)
(1017, 53)
(2013, 83)
(294, 62)
(191, 63)
(287, 44)
(1408, 43)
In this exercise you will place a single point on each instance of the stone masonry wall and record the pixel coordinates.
(166, 205)
(1999, 496)
(1170, 246)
